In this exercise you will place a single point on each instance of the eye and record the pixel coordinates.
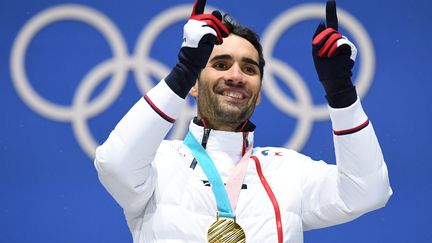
(220, 66)
(251, 70)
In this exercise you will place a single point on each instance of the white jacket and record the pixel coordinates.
(164, 200)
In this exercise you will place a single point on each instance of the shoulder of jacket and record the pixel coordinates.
(174, 147)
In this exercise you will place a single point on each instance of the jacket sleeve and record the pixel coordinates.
(124, 160)
(358, 183)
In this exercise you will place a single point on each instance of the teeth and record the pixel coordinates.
(233, 94)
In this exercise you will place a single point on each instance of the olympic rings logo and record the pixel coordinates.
(143, 68)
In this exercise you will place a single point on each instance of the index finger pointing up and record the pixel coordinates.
(331, 15)
(198, 7)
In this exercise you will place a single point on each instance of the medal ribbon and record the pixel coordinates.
(235, 181)
(225, 207)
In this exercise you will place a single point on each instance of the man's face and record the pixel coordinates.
(229, 86)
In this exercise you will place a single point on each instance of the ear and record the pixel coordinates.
(194, 90)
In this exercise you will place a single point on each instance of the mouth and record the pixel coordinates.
(234, 95)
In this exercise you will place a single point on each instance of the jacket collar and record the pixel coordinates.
(231, 143)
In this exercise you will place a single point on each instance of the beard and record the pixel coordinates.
(212, 107)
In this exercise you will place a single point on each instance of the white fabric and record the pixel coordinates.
(166, 201)
(158, 96)
(193, 32)
(344, 41)
(347, 118)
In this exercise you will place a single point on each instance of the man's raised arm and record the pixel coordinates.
(359, 182)
(124, 160)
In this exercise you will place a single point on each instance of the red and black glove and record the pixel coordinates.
(200, 34)
(334, 56)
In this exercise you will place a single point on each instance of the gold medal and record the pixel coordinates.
(225, 230)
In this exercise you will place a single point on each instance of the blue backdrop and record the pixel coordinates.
(68, 72)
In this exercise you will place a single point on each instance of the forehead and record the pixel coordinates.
(237, 47)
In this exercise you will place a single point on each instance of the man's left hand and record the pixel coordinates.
(334, 56)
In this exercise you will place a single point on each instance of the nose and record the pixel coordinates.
(235, 75)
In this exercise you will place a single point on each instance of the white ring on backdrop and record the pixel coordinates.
(40, 21)
(144, 68)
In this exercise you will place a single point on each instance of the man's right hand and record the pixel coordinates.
(204, 29)
(200, 34)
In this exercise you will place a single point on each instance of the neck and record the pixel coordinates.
(222, 126)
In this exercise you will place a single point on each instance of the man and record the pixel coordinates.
(214, 186)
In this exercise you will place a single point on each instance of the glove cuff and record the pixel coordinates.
(181, 79)
(190, 63)
(343, 98)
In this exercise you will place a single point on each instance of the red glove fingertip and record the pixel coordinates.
(215, 23)
(322, 35)
(329, 44)
(332, 49)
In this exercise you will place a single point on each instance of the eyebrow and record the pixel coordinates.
(250, 61)
(229, 57)
(221, 57)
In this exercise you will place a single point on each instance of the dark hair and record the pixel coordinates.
(240, 30)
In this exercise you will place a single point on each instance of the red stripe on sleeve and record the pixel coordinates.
(352, 130)
(157, 110)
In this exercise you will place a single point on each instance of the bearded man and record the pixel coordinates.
(214, 186)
